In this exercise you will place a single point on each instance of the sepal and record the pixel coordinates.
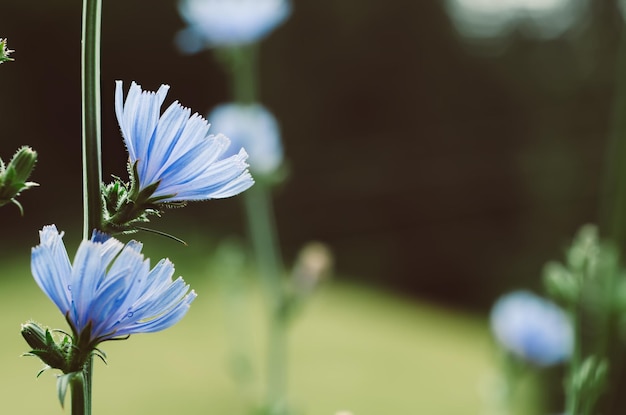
(127, 206)
(590, 380)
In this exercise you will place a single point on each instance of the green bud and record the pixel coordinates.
(4, 51)
(561, 284)
(14, 175)
(23, 162)
(584, 250)
(44, 346)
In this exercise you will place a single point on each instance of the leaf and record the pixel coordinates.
(63, 381)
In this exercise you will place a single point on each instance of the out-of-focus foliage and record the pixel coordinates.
(428, 163)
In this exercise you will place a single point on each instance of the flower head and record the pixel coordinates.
(109, 291)
(173, 152)
(255, 128)
(532, 328)
(228, 22)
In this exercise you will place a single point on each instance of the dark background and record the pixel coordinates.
(442, 168)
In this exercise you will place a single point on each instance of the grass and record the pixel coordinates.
(352, 348)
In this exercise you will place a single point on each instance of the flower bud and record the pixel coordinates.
(14, 175)
(44, 346)
(561, 284)
(584, 250)
(314, 263)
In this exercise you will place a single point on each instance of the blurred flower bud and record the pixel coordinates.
(14, 175)
(532, 328)
(314, 263)
(584, 250)
(4, 51)
(560, 284)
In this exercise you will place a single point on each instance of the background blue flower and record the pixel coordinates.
(228, 22)
(532, 328)
(254, 128)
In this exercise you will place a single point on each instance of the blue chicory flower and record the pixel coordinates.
(109, 291)
(532, 328)
(253, 127)
(216, 23)
(175, 150)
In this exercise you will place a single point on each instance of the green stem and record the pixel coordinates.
(613, 217)
(572, 401)
(92, 164)
(264, 242)
(79, 403)
(242, 62)
(613, 204)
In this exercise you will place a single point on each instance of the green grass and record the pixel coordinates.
(352, 348)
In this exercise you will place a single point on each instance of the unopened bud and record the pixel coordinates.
(14, 175)
(561, 284)
(314, 263)
(44, 346)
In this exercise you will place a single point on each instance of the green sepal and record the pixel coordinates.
(127, 206)
(590, 380)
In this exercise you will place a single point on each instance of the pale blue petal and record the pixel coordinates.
(110, 286)
(175, 150)
(51, 267)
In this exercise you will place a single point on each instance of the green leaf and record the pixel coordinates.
(63, 381)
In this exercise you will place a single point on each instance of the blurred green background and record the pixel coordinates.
(444, 168)
(433, 165)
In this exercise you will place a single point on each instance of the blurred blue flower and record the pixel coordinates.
(109, 291)
(252, 127)
(228, 22)
(175, 151)
(532, 328)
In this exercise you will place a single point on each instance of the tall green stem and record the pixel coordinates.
(92, 164)
(261, 224)
(264, 242)
(572, 400)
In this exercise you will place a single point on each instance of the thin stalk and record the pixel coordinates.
(79, 403)
(91, 151)
(613, 217)
(92, 164)
(572, 400)
(261, 225)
